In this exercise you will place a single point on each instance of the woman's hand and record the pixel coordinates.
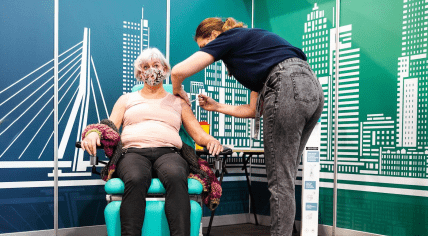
(181, 93)
(207, 103)
(90, 143)
(214, 147)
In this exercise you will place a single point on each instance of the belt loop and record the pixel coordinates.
(281, 67)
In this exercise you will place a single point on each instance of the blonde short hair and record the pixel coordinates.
(148, 55)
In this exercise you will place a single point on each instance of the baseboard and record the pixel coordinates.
(261, 219)
(327, 230)
(99, 230)
(226, 220)
(323, 230)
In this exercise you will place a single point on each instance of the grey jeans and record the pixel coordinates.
(293, 103)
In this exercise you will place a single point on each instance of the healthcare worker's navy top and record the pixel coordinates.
(250, 54)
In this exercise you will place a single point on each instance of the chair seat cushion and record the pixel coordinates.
(155, 222)
(116, 186)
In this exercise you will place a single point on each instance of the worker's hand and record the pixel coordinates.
(207, 103)
(181, 93)
(90, 143)
(214, 147)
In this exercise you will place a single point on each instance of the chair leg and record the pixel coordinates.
(249, 186)
(211, 222)
(223, 163)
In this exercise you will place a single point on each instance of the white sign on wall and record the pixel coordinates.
(310, 183)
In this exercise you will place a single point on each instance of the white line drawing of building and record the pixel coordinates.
(348, 103)
(378, 148)
(77, 72)
(225, 89)
(378, 133)
(411, 149)
(402, 144)
(316, 45)
(136, 38)
(412, 77)
(197, 88)
(319, 45)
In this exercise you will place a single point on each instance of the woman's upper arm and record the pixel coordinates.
(192, 65)
(190, 123)
(119, 110)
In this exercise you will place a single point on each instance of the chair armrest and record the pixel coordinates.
(93, 159)
(79, 145)
(205, 151)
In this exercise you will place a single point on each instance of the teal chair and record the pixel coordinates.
(155, 223)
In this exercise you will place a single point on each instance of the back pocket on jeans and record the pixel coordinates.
(304, 87)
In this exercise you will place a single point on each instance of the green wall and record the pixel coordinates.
(186, 16)
(382, 157)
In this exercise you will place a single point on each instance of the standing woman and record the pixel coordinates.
(284, 90)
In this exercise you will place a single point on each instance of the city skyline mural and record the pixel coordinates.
(376, 144)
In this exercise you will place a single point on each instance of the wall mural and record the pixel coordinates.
(383, 152)
(366, 146)
(98, 42)
(382, 155)
(382, 100)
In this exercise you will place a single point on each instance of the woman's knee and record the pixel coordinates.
(137, 178)
(175, 175)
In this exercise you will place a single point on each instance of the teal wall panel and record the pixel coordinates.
(104, 37)
(26, 121)
(109, 36)
(382, 147)
(289, 19)
(213, 81)
(391, 195)
(185, 17)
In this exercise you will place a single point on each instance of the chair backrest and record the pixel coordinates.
(185, 137)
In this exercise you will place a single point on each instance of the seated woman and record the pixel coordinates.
(151, 120)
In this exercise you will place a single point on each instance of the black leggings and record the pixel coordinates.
(135, 169)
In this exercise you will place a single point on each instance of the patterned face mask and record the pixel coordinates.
(153, 76)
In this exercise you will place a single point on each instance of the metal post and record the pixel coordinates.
(252, 13)
(336, 120)
(56, 116)
(168, 32)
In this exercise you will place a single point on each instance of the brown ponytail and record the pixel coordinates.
(231, 23)
(205, 28)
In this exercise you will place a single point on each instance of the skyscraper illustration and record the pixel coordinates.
(136, 38)
(412, 77)
(376, 144)
(224, 89)
(319, 45)
(401, 143)
(378, 133)
(197, 88)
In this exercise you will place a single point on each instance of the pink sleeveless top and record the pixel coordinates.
(151, 122)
